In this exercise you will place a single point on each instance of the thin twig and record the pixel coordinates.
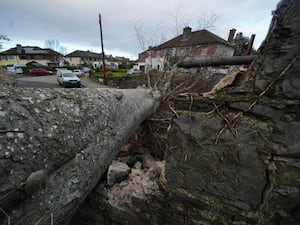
(158, 120)
(173, 111)
(149, 80)
(191, 104)
(236, 118)
(54, 208)
(52, 219)
(219, 134)
(229, 125)
(5, 214)
(250, 107)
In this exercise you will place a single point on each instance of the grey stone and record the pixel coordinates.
(286, 139)
(259, 109)
(36, 181)
(148, 161)
(231, 170)
(117, 172)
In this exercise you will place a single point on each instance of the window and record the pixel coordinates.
(211, 49)
(10, 57)
(197, 51)
(153, 54)
(162, 53)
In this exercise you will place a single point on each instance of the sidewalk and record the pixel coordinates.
(89, 83)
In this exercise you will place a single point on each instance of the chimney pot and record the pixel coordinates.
(19, 48)
(231, 35)
(187, 31)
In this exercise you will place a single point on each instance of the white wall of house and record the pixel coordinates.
(96, 64)
(224, 51)
(141, 66)
(44, 62)
(108, 64)
(158, 61)
(74, 61)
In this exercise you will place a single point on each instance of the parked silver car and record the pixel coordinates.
(67, 78)
(133, 71)
(86, 69)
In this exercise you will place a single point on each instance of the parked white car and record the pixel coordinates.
(14, 68)
(67, 78)
(78, 72)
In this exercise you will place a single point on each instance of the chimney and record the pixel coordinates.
(250, 44)
(186, 32)
(19, 48)
(231, 35)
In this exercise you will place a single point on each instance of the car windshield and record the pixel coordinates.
(68, 75)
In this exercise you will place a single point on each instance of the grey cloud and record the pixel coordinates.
(77, 21)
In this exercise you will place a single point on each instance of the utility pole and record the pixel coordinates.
(103, 55)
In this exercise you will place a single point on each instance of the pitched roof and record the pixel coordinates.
(29, 50)
(189, 38)
(83, 54)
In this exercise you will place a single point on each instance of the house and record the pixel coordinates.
(79, 58)
(189, 45)
(27, 54)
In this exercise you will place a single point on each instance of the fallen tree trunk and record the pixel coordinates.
(233, 60)
(56, 144)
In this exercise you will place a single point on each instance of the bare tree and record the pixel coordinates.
(154, 35)
(207, 20)
(178, 19)
(63, 50)
(149, 36)
(55, 45)
(3, 37)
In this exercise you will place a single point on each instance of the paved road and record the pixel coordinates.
(51, 82)
(32, 84)
(37, 81)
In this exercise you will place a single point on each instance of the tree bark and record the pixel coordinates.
(233, 60)
(57, 143)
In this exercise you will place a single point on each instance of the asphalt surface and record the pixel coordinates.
(27, 81)
(35, 84)
(37, 81)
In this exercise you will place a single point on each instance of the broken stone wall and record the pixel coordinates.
(233, 159)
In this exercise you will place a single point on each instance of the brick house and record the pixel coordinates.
(190, 45)
(27, 54)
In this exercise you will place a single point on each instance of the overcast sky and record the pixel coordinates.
(74, 23)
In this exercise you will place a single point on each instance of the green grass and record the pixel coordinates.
(119, 74)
